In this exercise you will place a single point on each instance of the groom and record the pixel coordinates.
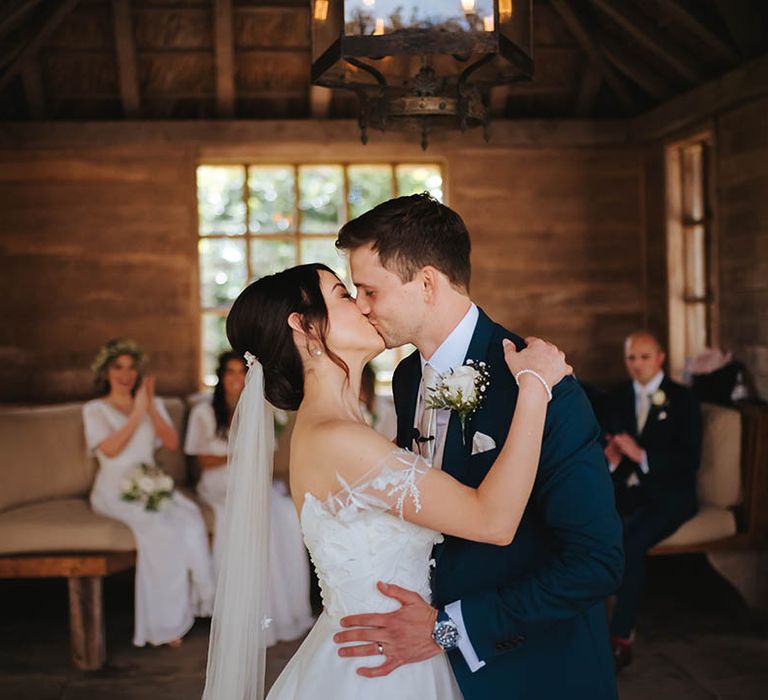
(523, 621)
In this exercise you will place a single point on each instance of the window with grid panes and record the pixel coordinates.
(256, 219)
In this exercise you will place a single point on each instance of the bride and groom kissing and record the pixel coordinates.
(472, 559)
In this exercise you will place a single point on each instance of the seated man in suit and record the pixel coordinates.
(652, 445)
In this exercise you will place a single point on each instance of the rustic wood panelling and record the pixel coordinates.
(96, 244)
(742, 137)
(98, 237)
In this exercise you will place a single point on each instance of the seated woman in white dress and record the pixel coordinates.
(209, 421)
(174, 570)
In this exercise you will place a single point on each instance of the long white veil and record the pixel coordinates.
(237, 647)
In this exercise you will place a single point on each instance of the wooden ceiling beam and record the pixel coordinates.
(589, 88)
(320, 101)
(57, 16)
(224, 42)
(744, 23)
(685, 20)
(33, 88)
(125, 47)
(14, 14)
(583, 35)
(645, 33)
(635, 70)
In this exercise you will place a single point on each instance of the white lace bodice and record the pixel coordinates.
(358, 537)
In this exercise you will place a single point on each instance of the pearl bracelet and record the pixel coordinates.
(538, 376)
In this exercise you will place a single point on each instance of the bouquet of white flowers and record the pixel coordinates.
(147, 484)
(461, 389)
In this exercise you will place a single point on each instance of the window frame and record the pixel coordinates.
(680, 226)
(294, 234)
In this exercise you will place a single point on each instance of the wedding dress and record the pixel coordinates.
(357, 538)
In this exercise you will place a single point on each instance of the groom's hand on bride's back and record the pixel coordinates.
(405, 635)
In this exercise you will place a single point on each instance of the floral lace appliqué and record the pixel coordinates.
(386, 488)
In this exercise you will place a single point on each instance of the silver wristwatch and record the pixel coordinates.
(446, 632)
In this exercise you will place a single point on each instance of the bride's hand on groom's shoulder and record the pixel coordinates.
(540, 356)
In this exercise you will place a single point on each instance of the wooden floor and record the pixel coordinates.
(697, 641)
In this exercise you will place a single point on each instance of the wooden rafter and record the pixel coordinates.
(320, 101)
(50, 25)
(125, 47)
(33, 88)
(635, 70)
(743, 23)
(586, 40)
(589, 88)
(645, 33)
(684, 19)
(15, 13)
(224, 43)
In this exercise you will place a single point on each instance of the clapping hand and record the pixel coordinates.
(145, 395)
(612, 452)
(628, 446)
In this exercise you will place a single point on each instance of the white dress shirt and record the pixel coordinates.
(649, 389)
(450, 354)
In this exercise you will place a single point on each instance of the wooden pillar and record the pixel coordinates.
(86, 623)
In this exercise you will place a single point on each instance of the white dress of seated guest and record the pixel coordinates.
(174, 570)
(288, 605)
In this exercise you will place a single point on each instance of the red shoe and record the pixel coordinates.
(622, 652)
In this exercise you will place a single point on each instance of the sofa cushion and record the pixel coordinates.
(708, 525)
(174, 462)
(69, 525)
(62, 525)
(719, 478)
(44, 455)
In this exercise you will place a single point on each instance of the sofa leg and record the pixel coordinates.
(86, 623)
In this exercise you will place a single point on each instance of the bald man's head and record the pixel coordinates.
(643, 356)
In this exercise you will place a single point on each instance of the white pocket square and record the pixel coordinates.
(482, 443)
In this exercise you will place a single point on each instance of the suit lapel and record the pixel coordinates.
(457, 451)
(629, 411)
(406, 392)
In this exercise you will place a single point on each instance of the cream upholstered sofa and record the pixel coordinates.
(719, 483)
(47, 527)
(47, 476)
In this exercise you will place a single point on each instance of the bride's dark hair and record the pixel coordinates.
(258, 323)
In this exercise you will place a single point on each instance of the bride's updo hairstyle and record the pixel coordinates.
(258, 323)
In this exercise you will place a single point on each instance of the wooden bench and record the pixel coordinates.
(84, 574)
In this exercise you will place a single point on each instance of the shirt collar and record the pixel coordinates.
(453, 349)
(651, 387)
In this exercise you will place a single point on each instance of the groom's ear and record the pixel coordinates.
(429, 281)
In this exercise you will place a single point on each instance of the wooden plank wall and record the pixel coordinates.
(742, 143)
(95, 243)
(98, 237)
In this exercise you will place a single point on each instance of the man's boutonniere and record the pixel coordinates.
(659, 400)
(461, 389)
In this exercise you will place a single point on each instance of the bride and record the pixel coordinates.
(369, 512)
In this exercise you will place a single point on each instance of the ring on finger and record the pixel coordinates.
(380, 648)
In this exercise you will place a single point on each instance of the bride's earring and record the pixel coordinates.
(317, 352)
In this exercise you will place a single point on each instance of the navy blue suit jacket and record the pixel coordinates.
(533, 609)
(671, 438)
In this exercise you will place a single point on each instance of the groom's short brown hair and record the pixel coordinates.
(412, 232)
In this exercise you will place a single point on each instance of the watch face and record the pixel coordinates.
(446, 634)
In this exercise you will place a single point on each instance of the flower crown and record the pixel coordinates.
(113, 349)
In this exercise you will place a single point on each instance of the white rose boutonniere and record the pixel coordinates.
(461, 389)
(659, 398)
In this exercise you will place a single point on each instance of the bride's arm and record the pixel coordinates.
(492, 512)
